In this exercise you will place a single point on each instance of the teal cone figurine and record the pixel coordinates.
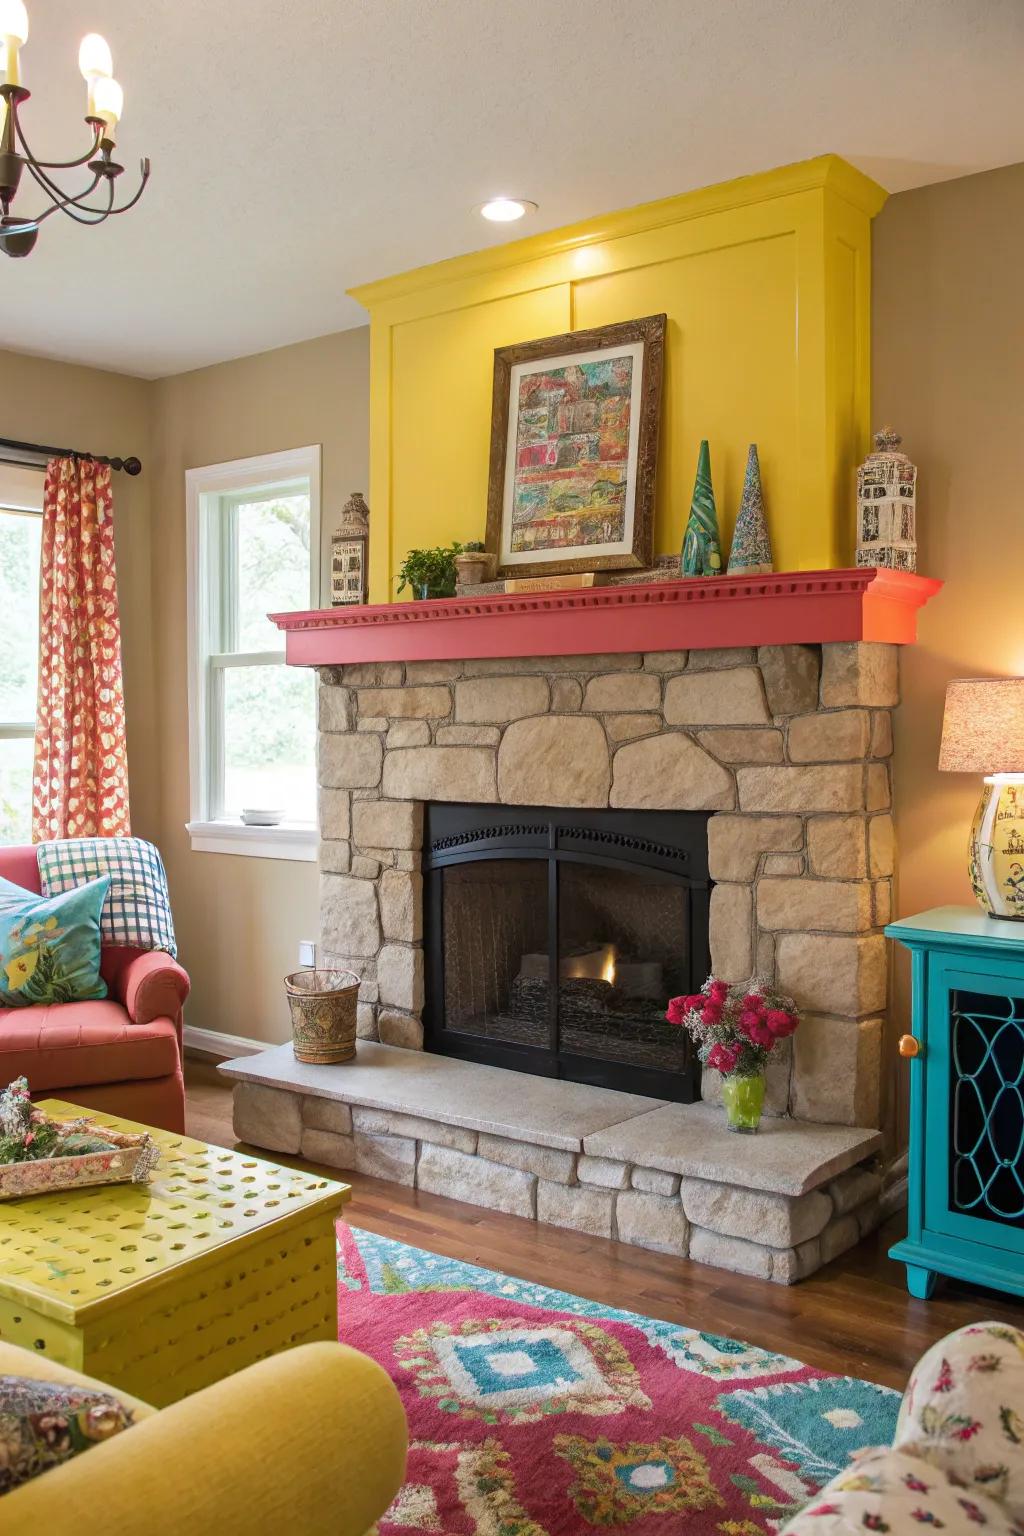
(751, 553)
(702, 553)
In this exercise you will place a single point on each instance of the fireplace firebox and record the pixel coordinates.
(554, 939)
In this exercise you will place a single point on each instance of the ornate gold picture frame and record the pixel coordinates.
(574, 450)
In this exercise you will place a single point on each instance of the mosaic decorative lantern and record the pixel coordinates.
(349, 547)
(887, 506)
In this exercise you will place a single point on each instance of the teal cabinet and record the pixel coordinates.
(965, 1212)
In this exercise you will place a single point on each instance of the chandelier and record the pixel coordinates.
(105, 106)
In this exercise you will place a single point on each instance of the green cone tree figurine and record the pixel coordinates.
(751, 553)
(702, 553)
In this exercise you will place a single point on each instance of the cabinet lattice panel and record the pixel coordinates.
(986, 1174)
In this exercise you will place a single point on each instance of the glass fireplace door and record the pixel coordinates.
(494, 919)
(553, 946)
(622, 953)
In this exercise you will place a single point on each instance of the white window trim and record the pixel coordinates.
(290, 840)
(21, 492)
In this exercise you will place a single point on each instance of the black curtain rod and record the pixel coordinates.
(41, 451)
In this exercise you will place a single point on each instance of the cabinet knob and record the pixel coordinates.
(909, 1046)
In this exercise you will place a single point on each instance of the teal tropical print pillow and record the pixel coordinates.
(50, 945)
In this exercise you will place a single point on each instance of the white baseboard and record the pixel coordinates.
(209, 1042)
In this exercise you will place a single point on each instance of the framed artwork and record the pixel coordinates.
(574, 450)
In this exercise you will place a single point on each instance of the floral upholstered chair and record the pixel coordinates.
(957, 1461)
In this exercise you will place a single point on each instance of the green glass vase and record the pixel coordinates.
(743, 1098)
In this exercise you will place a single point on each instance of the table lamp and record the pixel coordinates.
(983, 732)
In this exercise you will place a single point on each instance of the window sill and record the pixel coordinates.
(290, 840)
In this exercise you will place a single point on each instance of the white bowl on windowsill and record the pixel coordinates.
(254, 817)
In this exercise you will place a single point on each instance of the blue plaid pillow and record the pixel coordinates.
(137, 910)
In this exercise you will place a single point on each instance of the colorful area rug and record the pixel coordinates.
(533, 1412)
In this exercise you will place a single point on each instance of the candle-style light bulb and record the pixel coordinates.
(14, 20)
(94, 56)
(96, 64)
(107, 101)
(13, 34)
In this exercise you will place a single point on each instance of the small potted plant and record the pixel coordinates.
(474, 564)
(735, 1029)
(430, 572)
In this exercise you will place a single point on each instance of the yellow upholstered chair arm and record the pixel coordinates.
(309, 1441)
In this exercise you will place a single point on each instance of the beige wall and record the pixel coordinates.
(72, 407)
(240, 919)
(948, 372)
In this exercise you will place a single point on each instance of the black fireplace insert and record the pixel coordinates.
(554, 939)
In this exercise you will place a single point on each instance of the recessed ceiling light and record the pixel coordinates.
(504, 210)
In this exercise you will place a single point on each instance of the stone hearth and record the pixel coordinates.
(789, 745)
(669, 1177)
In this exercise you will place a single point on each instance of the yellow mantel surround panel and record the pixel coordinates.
(766, 284)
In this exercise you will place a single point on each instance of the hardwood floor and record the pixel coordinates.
(854, 1317)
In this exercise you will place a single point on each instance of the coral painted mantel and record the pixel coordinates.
(799, 607)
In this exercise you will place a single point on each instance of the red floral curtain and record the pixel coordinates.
(80, 782)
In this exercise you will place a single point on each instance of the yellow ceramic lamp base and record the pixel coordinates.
(996, 848)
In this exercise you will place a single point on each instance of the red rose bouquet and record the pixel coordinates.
(735, 1028)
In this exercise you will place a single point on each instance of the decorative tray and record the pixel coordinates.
(131, 1159)
(38, 1154)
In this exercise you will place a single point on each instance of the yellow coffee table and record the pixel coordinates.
(163, 1288)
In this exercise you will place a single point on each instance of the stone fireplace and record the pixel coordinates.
(522, 855)
(783, 750)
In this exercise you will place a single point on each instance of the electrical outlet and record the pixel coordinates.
(307, 952)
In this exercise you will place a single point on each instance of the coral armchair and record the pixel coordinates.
(121, 1054)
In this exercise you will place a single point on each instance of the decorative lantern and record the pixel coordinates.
(887, 506)
(348, 553)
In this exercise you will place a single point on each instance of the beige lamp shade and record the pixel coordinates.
(983, 726)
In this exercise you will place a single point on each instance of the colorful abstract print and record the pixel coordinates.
(533, 1412)
(572, 452)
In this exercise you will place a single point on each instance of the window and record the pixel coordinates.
(254, 549)
(21, 523)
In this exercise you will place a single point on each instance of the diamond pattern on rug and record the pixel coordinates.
(617, 1484)
(534, 1412)
(487, 1369)
(711, 1354)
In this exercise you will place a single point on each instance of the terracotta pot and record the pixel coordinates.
(474, 566)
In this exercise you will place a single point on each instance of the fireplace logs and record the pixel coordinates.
(603, 999)
(596, 961)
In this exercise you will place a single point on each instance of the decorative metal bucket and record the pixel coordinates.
(323, 1009)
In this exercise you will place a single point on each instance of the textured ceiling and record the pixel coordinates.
(301, 148)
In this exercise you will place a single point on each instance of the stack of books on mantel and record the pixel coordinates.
(667, 569)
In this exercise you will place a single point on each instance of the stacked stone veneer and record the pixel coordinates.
(790, 745)
(775, 1236)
